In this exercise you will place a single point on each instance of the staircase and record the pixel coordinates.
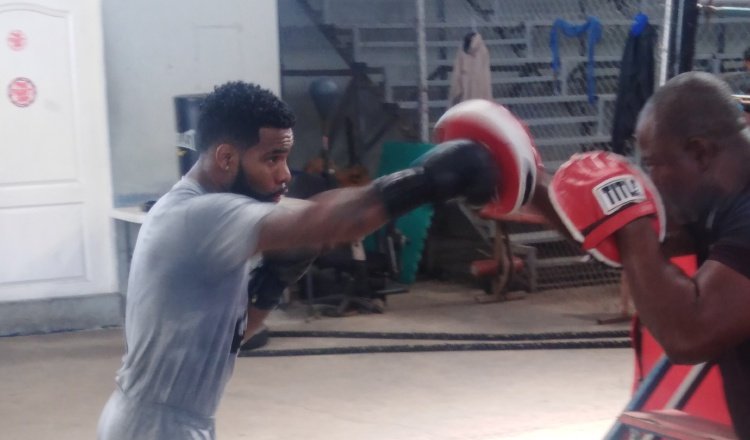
(556, 109)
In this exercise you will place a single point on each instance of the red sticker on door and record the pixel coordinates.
(22, 92)
(16, 40)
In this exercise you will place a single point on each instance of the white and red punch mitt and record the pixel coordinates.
(507, 138)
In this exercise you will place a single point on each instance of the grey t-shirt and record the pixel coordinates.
(186, 305)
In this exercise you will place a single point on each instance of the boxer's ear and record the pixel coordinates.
(225, 156)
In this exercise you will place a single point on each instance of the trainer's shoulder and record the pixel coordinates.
(731, 222)
(736, 209)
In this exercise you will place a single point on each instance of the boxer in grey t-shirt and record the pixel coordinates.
(186, 312)
(187, 305)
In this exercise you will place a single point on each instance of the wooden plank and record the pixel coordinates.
(551, 99)
(536, 237)
(499, 80)
(328, 72)
(436, 44)
(562, 261)
(475, 25)
(678, 425)
(507, 62)
(552, 142)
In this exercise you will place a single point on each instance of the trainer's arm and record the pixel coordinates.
(677, 241)
(541, 203)
(335, 216)
(694, 319)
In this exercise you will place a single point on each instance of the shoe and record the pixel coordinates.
(259, 339)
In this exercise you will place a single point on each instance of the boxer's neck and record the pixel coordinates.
(208, 175)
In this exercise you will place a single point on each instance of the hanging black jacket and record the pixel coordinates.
(636, 84)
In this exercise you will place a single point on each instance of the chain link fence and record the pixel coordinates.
(720, 46)
(568, 110)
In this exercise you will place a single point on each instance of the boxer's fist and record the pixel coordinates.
(460, 169)
(507, 140)
(486, 154)
(596, 194)
(448, 171)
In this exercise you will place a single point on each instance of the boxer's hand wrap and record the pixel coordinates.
(596, 194)
(450, 170)
(265, 289)
(278, 271)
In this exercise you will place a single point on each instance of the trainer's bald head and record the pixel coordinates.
(693, 105)
(693, 138)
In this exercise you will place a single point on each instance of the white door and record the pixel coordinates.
(55, 235)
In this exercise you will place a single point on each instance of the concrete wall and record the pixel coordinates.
(156, 50)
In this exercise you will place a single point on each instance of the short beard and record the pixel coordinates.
(240, 186)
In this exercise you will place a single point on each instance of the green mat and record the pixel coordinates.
(414, 225)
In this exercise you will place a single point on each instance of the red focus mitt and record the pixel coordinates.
(506, 137)
(597, 193)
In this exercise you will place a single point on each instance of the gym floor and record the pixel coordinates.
(54, 385)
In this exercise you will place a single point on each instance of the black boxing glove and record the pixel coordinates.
(450, 170)
(279, 270)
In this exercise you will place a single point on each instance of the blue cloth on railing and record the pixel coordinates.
(639, 24)
(593, 27)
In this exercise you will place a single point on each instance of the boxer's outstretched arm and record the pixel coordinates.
(694, 319)
(332, 217)
(478, 139)
(453, 169)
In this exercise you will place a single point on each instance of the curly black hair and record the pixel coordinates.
(234, 113)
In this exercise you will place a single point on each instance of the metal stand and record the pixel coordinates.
(669, 422)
